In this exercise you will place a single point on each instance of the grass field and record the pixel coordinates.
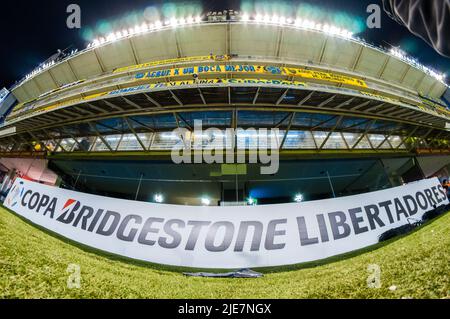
(33, 264)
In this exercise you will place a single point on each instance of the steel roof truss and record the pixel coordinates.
(176, 98)
(100, 136)
(152, 100)
(407, 137)
(331, 132)
(136, 135)
(58, 144)
(256, 95)
(201, 96)
(306, 99)
(369, 126)
(131, 103)
(324, 103)
(346, 102)
(114, 106)
(282, 97)
(102, 111)
(291, 120)
(361, 105)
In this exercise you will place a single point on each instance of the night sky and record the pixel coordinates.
(31, 31)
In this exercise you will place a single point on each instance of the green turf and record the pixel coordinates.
(33, 264)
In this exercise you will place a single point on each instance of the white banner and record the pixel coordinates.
(224, 237)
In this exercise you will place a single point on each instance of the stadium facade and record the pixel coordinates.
(352, 117)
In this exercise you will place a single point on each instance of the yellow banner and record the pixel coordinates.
(380, 97)
(324, 76)
(252, 69)
(72, 101)
(258, 69)
(148, 87)
(434, 106)
(173, 61)
(220, 69)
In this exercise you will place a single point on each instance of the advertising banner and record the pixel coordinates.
(224, 237)
(35, 108)
(173, 61)
(253, 69)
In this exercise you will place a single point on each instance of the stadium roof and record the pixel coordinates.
(309, 46)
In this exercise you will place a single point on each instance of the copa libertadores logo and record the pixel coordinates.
(16, 194)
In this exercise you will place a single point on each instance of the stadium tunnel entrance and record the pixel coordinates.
(234, 184)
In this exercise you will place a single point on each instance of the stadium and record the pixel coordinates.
(331, 96)
(347, 117)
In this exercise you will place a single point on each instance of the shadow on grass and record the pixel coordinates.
(177, 269)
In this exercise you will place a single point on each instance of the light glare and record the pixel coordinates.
(206, 201)
(158, 198)
(298, 198)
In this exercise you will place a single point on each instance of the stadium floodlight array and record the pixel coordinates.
(42, 67)
(396, 52)
(298, 23)
(143, 28)
(279, 20)
(336, 31)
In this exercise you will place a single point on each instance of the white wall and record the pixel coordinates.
(33, 168)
